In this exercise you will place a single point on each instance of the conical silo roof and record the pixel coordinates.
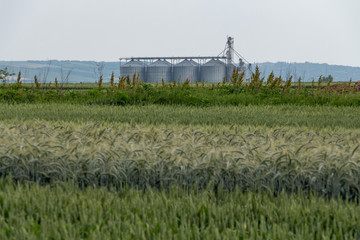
(133, 67)
(187, 63)
(160, 63)
(213, 62)
(133, 63)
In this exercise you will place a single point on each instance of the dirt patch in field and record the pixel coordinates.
(344, 87)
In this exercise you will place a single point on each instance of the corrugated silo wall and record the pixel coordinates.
(229, 71)
(159, 70)
(213, 71)
(186, 70)
(243, 69)
(134, 67)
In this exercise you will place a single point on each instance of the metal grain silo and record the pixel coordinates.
(159, 70)
(213, 71)
(229, 71)
(242, 68)
(129, 68)
(187, 69)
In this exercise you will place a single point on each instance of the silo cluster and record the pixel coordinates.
(212, 71)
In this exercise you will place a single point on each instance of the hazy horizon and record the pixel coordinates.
(265, 31)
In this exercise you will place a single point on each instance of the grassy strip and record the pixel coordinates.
(182, 95)
(270, 116)
(66, 212)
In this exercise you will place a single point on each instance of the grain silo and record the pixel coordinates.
(242, 68)
(133, 67)
(213, 71)
(159, 70)
(229, 71)
(187, 69)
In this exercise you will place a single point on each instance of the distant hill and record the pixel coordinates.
(70, 71)
(307, 71)
(88, 71)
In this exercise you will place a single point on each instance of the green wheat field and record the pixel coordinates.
(72, 171)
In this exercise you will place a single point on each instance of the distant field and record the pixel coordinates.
(318, 117)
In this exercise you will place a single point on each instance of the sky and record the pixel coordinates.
(318, 31)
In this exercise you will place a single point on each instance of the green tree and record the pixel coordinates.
(329, 78)
(4, 74)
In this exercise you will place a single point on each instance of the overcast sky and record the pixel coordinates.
(320, 31)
